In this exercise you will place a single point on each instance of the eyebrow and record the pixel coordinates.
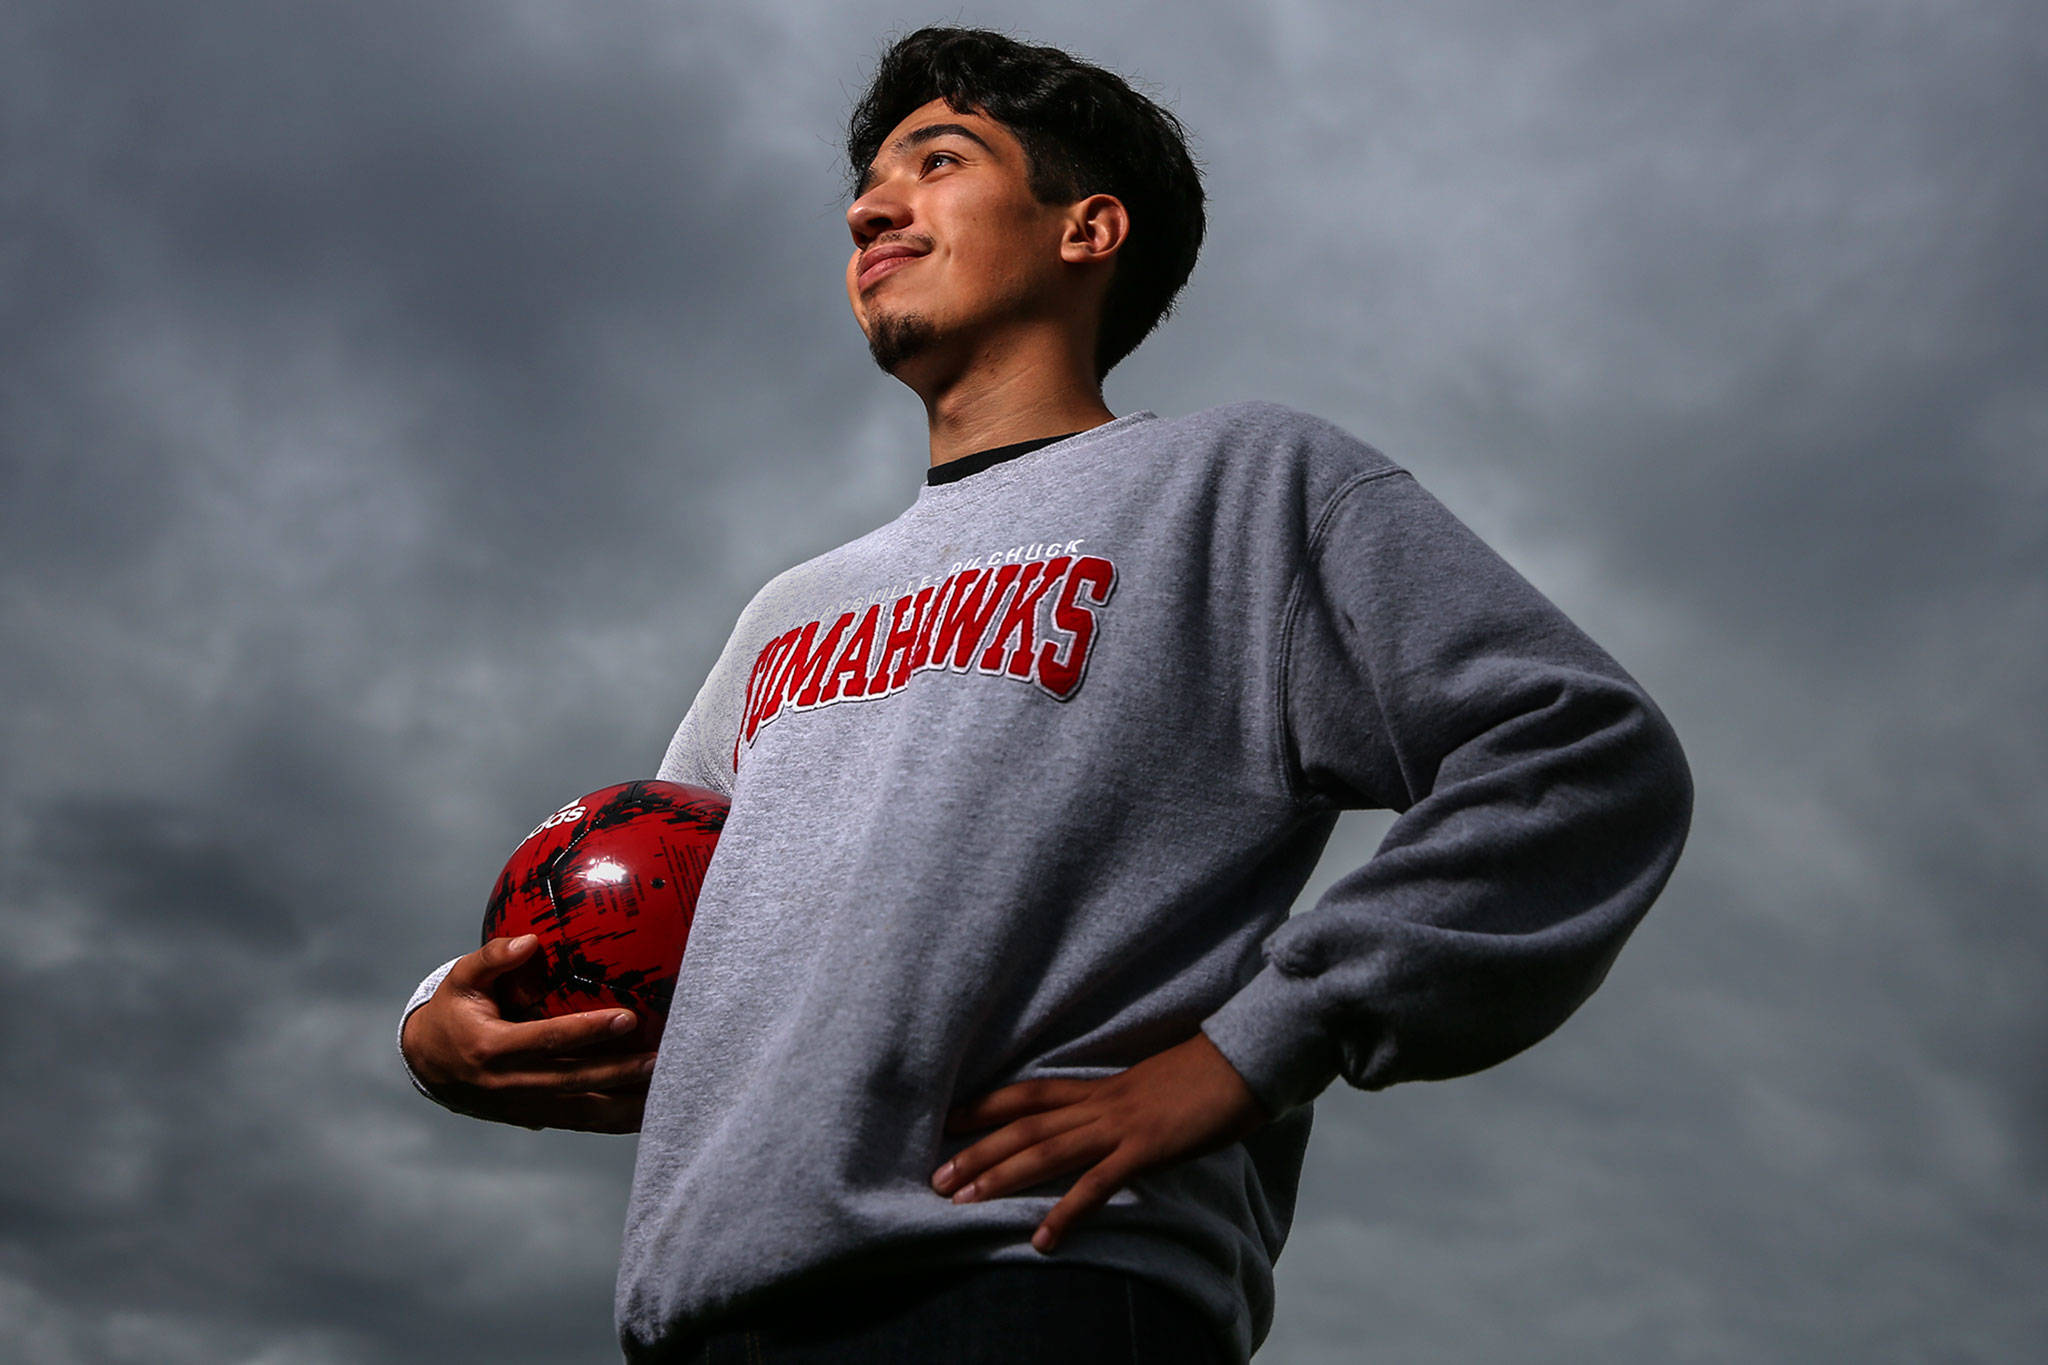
(914, 137)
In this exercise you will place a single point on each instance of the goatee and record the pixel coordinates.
(897, 337)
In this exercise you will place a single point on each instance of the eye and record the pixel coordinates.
(930, 155)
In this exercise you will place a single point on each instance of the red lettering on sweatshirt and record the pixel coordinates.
(1061, 667)
(902, 640)
(1018, 619)
(767, 697)
(927, 633)
(944, 627)
(750, 714)
(852, 667)
(967, 616)
(805, 673)
(765, 693)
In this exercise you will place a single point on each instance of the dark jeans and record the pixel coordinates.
(973, 1315)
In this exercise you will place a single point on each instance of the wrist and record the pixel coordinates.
(424, 1076)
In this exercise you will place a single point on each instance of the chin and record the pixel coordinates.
(897, 337)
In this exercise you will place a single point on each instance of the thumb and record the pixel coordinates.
(497, 957)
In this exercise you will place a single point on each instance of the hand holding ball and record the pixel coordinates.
(609, 885)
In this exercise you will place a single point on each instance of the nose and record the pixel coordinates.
(875, 213)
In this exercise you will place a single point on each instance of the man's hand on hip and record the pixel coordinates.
(1178, 1104)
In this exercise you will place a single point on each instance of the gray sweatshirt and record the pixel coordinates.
(1025, 782)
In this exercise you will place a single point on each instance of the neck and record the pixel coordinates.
(1017, 390)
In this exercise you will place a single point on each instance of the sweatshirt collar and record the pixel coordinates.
(966, 466)
(954, 470)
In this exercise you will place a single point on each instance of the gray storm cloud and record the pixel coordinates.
(398, 403)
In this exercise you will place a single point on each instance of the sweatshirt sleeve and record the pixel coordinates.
(420, 995)
(1543, 802)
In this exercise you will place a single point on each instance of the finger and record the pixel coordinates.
(560, 1033)
(1005, 1143)
(1015, 1101)
(1027, 1154)
(476, 971)
(1088, 1194)
(568, 1077)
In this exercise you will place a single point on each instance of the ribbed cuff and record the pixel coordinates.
(1271, 1031)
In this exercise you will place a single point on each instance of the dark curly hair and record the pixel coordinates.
(1084, 131)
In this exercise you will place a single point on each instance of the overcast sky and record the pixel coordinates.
(399, 401)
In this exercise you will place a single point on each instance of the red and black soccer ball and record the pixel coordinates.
(609, 885)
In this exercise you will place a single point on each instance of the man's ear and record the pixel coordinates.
(1096, 229)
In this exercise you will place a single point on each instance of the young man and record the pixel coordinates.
(994, 1040)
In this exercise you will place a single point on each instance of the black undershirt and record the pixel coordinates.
(982, 459)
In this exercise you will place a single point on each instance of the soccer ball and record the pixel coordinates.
(609, 885)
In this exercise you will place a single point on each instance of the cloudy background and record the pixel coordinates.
(398, 402)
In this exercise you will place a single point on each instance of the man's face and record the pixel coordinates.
(953, 188)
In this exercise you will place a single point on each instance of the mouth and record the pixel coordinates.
(888, 265)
